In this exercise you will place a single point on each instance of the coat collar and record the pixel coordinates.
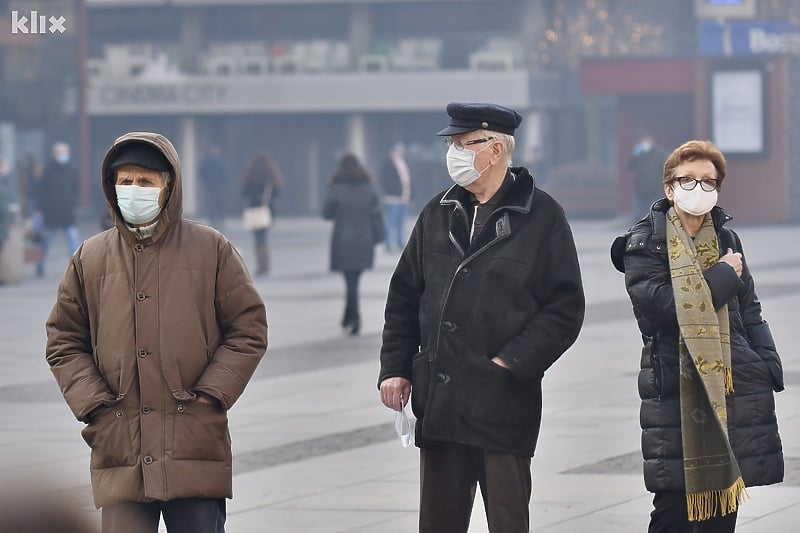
(519, 198)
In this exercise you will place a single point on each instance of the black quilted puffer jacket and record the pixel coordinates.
(752, 425)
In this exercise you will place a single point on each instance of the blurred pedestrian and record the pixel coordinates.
(25, 508)
(155, 333)
(351, 202)
(709, 365)
(6, 200)
(57, 202)
(395, 179)
(647, 164)
(263, 181)
(485, 297)
(214, 173)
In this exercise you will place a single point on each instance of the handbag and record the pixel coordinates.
(378, 227)
(259, 216)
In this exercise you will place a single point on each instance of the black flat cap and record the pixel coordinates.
(470, 117)
(141, 154)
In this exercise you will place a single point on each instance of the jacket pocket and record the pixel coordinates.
(420, 381)
(497, 398)
(201, 432)
(109, 437)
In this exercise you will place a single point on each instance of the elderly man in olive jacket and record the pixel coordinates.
(156, 330)
(485, 297)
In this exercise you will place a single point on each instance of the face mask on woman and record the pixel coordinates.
(461, 165)
(138, 205)
(695, 202)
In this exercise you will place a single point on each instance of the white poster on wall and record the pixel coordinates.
(738, 111)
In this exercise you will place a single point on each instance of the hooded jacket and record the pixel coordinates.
(138, 329)
(514, 292)
(752, 425)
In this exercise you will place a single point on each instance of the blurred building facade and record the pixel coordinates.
(310, 79)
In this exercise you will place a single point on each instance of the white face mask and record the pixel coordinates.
(695, 202)
(461, 165)
(138, 204)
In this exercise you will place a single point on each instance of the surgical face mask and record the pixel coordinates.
(62, 159)
(138, 204)
(695, 202)
(461, 165)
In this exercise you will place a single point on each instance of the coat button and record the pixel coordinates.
(146, 409)
(142, 352)
(441, 377)
(138, 247)
(465, 271)
(119, 414)
(181, 408)
(449, 326)
(148, 459)
(140, 296)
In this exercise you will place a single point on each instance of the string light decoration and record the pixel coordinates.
(603, 28)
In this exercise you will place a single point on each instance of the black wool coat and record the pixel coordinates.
(752, 424)
(351, 204)
(514, 292)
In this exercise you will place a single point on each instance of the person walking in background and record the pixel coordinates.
(485, 297)
(155, 333)
(395, 182)
(214, 172)
(263, 181)
(57, 202)
(351, 202)
(709, 366)
(647, 164)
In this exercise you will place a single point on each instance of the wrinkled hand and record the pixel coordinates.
(395, 392)
(734, 259)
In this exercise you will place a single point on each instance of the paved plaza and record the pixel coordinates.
(316, 452)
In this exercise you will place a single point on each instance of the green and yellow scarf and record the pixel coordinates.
(714, 485)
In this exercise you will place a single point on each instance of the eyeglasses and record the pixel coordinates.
(459, 145)
(688, 183)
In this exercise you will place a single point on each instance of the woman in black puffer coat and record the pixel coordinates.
(752, 425)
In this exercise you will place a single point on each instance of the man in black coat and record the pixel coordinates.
(487, 294)
(58, 201)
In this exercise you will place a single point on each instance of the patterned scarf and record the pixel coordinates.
(714, 485)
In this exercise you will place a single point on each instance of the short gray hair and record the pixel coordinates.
(508, 142)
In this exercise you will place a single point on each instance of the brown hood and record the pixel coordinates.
(174, 208)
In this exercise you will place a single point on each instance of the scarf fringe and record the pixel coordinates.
(704, 505)
(728, 372)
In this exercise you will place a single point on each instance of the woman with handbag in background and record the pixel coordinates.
(353, 205)
(263, 181)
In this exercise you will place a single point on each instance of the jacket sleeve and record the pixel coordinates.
(69, 348)
(758, 331)
(556, 325)
(242, 317)
(329, 207)
(647, 280)
(401, 330)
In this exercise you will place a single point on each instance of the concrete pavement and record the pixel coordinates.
(314, 451)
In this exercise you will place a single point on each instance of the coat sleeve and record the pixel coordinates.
(401, 330)
(329, 207)
(758, 331)
(556, 325)
(69, 348)
(242, 317)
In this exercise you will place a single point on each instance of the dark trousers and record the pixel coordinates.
(448, 476)
(351, 313)
(184, 515)
(670, 516)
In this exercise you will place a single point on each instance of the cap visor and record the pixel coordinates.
(455, 130)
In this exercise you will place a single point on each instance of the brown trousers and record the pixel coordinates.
(448, 477)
